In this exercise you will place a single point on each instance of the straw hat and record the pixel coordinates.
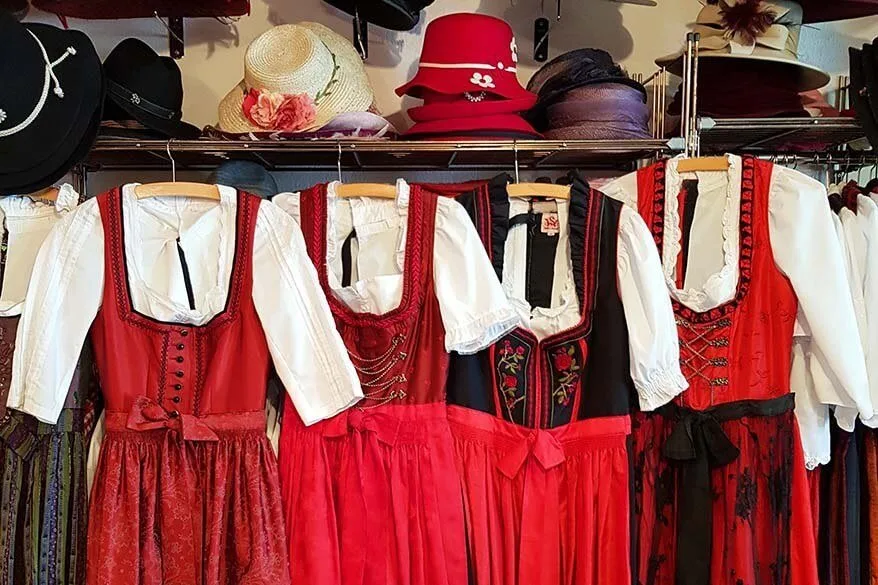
(772, 42)
(297, 77)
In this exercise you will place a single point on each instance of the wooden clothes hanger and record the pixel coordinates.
(528, 190)
(175, 189)
(703, 163)
(47, 194)
(373, 190)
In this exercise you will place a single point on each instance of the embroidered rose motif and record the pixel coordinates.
(568, 371)
(485, 81)
(509, 368)
(277, 111)
(563, 361)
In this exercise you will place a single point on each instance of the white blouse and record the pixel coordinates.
(474, 309)
(806, 249)
(66, 292)
(26, 224)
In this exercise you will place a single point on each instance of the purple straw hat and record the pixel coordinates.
(604, 111)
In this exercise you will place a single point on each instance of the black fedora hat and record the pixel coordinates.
(148, 88)
(391, 14)
(50, 103)
(859, 95)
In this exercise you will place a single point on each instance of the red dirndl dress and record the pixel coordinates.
(721, 491)
(541, 427)
(187, 490)
(372, 496)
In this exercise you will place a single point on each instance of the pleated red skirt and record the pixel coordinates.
(544, 507)
(373, 497)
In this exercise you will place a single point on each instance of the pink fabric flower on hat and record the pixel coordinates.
(279, 112)
(296, 112)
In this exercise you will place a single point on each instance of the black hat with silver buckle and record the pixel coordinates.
(50, 103)
(148, 88)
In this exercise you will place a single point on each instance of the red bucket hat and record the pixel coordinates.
(467, 53)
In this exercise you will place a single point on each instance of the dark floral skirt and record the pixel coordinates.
(755, 526)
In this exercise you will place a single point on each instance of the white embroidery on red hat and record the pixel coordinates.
(482, 80)
(514, 48)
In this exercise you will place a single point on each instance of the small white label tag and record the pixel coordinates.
(550, 225)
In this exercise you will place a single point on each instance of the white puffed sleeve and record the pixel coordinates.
(807, 250)
(475, 310)
(867, 214)
(652, 332)
(65, 292)
(308, 353)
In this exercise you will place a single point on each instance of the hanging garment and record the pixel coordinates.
(722, 494)
(187, 489)
(541, 418)
(43, 490)
(373, 496)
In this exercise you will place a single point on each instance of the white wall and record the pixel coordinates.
(633, 34)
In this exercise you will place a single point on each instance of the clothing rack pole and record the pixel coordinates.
(79, 179)
(690, 96)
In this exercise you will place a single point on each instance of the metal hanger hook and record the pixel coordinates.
(515, 151)
(173, 162)
(338, 162)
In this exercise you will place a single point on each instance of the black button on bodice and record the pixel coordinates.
(176, 399)
(184, 333)
(179, 373)
(174, 414)
(178, 387)
(181, 347)
(179, 359)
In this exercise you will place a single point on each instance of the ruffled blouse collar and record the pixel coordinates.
(721, 286)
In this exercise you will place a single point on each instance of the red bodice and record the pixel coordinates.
(220, 367)
(400, 356)
(741, 349)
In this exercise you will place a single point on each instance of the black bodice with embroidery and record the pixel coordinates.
(580, 373)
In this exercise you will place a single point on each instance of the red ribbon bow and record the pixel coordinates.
(385, 426)
(148, 415)
(543, 446)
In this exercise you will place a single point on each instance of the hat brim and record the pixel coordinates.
(170, 128)
(823, 11)
(593, 131)
(65, 136)
(51, 170)
(485, 125)
(807, 76)
(467, 109)
(388, 14)
(458, 81)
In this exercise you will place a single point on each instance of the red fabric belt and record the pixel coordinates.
(391, 425)
(536, 453)
(147, 415)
